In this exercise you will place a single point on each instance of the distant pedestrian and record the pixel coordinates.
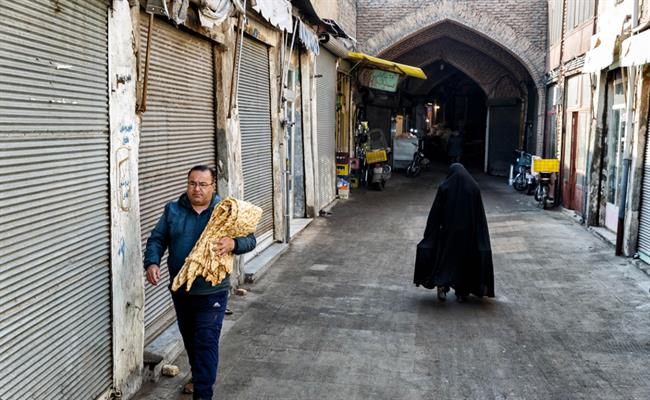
(455, 251)
(455, 146)
(200, 312)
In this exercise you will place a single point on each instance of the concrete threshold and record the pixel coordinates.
(604, 233)
(163, 350)
(298, 225)
(571, 214)
(608, 237)
(258, 266)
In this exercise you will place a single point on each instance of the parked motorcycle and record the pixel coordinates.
(520, 172)
(381, 173)
(545, 169)
(542, 190)
(418, 162)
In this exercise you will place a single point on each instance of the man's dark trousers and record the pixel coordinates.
(200, 318)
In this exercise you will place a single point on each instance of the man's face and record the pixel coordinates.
(200, 188)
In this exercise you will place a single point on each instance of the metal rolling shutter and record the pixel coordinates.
(256, 137)
(178, 132)
(55, 301)
(326, 120)
(644, 212)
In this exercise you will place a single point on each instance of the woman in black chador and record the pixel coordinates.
(455, 252)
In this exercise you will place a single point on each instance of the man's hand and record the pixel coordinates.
(223, 246)
(153, 274)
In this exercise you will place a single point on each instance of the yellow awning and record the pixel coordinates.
(387, 65)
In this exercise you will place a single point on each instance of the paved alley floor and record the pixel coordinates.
(337, 316)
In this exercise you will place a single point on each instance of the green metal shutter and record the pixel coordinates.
(256, 135)
(326, 122)
(55, 297)
(178, 132)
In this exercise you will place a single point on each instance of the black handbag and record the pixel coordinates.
(424, 258)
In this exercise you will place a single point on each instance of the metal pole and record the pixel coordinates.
(627, 151)
(241, 43)
(234, 64)
(487, 140)
(627, 158)
(287, 137)
(143, 102)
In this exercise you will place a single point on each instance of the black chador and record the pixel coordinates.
(455, 252)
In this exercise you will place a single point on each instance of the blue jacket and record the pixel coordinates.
(178, 230)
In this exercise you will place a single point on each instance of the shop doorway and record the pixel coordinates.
(614, 162)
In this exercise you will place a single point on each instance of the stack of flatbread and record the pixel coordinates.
(230, 218)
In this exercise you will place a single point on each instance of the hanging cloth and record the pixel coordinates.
(214, 12)
(277, 12)
(308, 38)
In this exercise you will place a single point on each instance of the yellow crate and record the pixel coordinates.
(342, 169)
(376, 156)
(546, 165)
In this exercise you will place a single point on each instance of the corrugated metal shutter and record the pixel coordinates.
(326, 121)
(644, 213)
(178, 132)
(55, 301)
(256, 136)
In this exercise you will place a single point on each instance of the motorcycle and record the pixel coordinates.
(542, 190)
(381, 172)
(419, 160)
(523, 179)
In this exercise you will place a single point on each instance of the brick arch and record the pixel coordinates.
(478, 66)
(498, 32)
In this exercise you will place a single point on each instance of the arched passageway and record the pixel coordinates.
(476, 84)
(457, 103)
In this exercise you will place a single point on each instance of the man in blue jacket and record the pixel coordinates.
(200, 312)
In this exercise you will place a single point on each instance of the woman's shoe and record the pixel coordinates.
(442, 293)
(188, 388)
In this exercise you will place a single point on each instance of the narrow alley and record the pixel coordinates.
(337, 317)
(247, 182)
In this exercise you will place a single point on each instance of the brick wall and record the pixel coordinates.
(526, 17)
(520, 26)
(347, 17)
(501, 44)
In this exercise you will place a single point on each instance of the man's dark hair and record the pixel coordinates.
(203, 168)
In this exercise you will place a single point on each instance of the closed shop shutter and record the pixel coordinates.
(644, 213)
(178, 132)
(326, 122)
(55, 301)
(256, 135)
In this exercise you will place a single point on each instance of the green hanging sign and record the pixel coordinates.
(383, 80)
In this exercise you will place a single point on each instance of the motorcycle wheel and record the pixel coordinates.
(409, 170)
(544, 197)
(412, 170)
(519, 183)
(538, 194)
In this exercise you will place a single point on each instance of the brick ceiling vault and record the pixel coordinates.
(496, 77)
(460, 22)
